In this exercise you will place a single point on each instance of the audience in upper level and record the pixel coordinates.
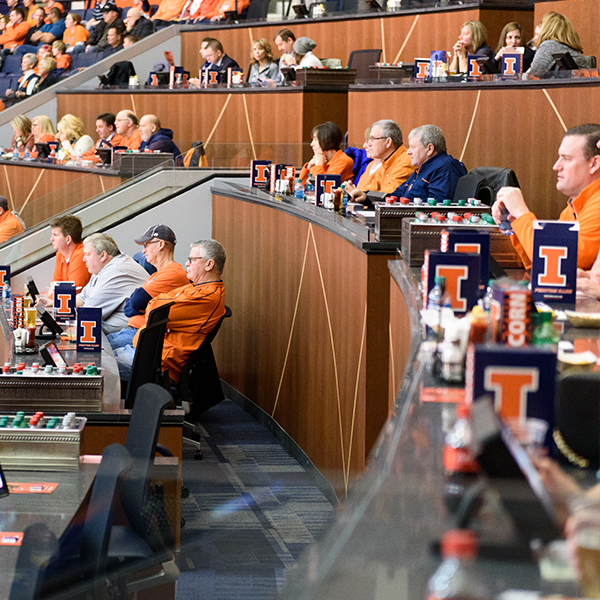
(129, 40)
(48, 74)
(471, 41)
(48, 33)
(97, 13)
(167, 11)
(29, 9)
(137, 24)
(75, 33)
(59, 53)
(114, 38)
(17, 30)
(28, 81)
(98, 39)
(38, 17)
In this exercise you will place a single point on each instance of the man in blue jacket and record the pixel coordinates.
(155, 137)
(436, 172)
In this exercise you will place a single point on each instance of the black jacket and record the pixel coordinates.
(98, 36)
(143, 28)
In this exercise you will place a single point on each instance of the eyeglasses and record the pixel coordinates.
(191, 259)
(372, 139)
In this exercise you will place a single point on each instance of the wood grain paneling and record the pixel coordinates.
(336, 39)
(400, 337)
(515, 128)
(585, 16)
(308, 341)
(38, 193)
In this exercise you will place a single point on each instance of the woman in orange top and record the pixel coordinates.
(75, 33)
(43, 131)
(328, 158)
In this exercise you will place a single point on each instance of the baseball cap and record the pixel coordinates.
(110, 6)
(157, 232)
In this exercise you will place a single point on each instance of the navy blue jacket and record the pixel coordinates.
(161, 140)
(437, 178)
(361, 160)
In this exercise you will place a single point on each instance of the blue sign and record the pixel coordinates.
(89, 329)
(325, 185)
(64, 301)
(471, 242)
(260, 174)
(512, 65)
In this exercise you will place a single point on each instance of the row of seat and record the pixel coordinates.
(88, 13)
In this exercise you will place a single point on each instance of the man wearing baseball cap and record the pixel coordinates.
(159, 245)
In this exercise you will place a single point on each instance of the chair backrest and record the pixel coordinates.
(484, 183)
(361, 60)
(147, 359)
(257, 10)
(12, 64)
(200, 383)
(85, 59)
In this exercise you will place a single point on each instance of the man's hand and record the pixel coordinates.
(355, 194)
(588, 288)
(287, 60)
(512, 199)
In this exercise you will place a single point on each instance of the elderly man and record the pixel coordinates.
(198, 307)
(137, 24)
(578, 178)
(155, 137)
(390, 165)
(436, 172)
(159, 246)
(126, 125)
(10, 225)
(114, 278)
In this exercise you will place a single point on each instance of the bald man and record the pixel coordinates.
(155, 137)
(126, 125)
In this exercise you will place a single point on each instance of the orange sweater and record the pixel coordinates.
(340, 164)
(585, 209)
(132, 142)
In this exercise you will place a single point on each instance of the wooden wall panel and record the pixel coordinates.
(524, 139)
(297, 344)
(585, 16)
(400, 336)
(39, 193)
(336, 39)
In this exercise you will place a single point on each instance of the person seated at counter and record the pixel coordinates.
(263, 69)
(10, 224)
(471, 41)
(22, 138)
(198, 307)
(126, 125)
(328, 158)
(303, 55)
(43, 131)
(73, 140)
(578, 178)
(156, 137)
(359, 157)
(216, 60)
(391, 165)
(159, 246)
(512, 41)
(108, 137)
(436, 172)
(114, 277)
(557, 36)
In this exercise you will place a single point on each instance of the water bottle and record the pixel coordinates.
(26, 155)
(6, 297)
(299, 189)
(435, 298)
(310, 189)
(458, 577)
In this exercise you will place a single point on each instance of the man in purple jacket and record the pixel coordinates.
(155, 137)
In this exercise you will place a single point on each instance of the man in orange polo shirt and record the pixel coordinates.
(126, 125)
(10, 225)
(578, 178)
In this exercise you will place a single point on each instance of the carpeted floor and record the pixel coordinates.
(251, 511)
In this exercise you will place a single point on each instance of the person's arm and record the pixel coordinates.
(543, 60)
(589, 232)
(136, 303)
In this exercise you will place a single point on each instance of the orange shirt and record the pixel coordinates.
(70, 38)
(133, 141)
(395, 170)
(45, 137)
(225, 5)
(168, 9)
(340, 164)
(54, 4)
(585, 209)
(9, 225)
(72, 270)
(164, 280)
(63, 62)
(14, 36)
(197, 309)
(115, 140)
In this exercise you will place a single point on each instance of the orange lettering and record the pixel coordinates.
(261, 171)
(63, 303)
(88, 337)
(475, 70)
(213, 77)
(328, 186)
(510, 386)
(509, 63)
(422, 71)
(553, 256)
(3, 276)
(454, 276)
(467, 248)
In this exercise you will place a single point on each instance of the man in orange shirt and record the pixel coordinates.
(126, 125)
(10, 225)
(17, 30)
(578, 177)
(392, 163)
(105, 128)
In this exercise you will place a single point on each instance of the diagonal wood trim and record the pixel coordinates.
(102, 185)
(32, 190)
(217, 121)
(249, 128)
(555, 109)
(382, 41)
(470, 126)
(394, 388)
(289, 344)
(10, 196)
(133, 104)
(406, 39)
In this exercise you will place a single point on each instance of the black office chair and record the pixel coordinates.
(257, 10)
(361, 60)
(147, 361)
(483, 183)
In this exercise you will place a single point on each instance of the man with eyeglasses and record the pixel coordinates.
(159, 246)
(437, 173)
(126, 125)
(390, 164)
(198, 307)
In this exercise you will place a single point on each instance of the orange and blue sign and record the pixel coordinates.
(64, 301)
(512, 65)
(325, 185)
(89, 329)
(469, 242)
(260, 174)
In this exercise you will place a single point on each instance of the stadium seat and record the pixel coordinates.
(12, 64)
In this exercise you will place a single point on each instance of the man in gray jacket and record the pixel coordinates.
(114, 278)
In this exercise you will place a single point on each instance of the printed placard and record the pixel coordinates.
(11, 538)
(64, 301)
(31, 488)
(474, 71)
(421, 68)
(512, 65)
(89, 329)
(469, 242)
(554, 262)
(325, 185)
(4, 274)
(461, 271)
(210, 76)
(438, 64)
(276, 173)
(260, 174)
(521, 381)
